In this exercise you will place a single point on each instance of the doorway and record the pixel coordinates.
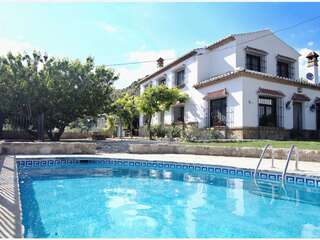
(297, 115)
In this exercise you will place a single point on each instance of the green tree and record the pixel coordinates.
(22, 91)
(61, 90)
(158, 99)
(125, 108)
(76, 90)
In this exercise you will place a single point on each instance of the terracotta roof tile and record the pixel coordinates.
(300, 97)
(270, 92)
(256, 75)
(217, 94)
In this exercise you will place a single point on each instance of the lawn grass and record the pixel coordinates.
(314, 145)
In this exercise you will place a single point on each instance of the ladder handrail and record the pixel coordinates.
(261, 157)
(293, 148)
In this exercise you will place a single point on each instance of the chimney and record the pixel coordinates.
(313, 73)
(160, 62)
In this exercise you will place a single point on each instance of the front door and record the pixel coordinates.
(297, 115)
(318, 115)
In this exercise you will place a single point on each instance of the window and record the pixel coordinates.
(218, 112)
(180, 78)
(285, 66)
(178, 114)
(255, 59)
(267, 112)
(162, 81)
(253, 62)
(283, 69)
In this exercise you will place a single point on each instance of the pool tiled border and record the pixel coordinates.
(309, 181)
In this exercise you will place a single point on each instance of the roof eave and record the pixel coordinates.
(245, 73)
(170, 65)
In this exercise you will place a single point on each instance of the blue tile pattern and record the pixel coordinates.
(127, 163)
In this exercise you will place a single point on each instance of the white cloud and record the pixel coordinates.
(14, 46)
(109, 27)
(303, 68)
(311, 43)
(131, 73)
(201, 43)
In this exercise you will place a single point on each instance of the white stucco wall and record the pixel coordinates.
(269, 43)
(217, 61)
(250, 103)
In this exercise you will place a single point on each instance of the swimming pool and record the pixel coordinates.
(129, 198)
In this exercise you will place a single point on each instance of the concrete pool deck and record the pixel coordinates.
(10, 213)
(305, 168)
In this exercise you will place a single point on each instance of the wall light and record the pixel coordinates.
(288, 105)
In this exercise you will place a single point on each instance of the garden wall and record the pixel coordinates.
(22, 135)
(47, 148)
(279, 153)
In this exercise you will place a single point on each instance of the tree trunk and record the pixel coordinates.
(149, 127)
(131, 129)
(55, 136)
(183, 129)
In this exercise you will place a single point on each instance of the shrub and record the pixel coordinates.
(173, 132)
(110, 129)
(158, 131)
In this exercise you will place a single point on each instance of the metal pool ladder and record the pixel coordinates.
(293, 148)
(261, 157)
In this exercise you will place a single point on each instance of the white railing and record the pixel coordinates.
(293, 148)
(261, 157)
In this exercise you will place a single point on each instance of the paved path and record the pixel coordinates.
(10, 218)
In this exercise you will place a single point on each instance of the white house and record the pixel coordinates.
(246, 84)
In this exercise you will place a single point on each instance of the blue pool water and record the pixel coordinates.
(103, 202)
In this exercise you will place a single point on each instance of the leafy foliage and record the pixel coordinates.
(63, 90)
(125, 108)
(158, 99)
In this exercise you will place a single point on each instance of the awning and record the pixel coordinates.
(300, 97)
(216, 94)
(269, 92)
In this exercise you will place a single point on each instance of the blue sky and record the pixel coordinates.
(123, 32)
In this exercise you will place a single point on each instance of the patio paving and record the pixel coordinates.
(10, 218)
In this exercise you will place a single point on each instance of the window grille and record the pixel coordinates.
(280, 113)
(291, 71)
(180, 78)
(267, 110)
(256, 59)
